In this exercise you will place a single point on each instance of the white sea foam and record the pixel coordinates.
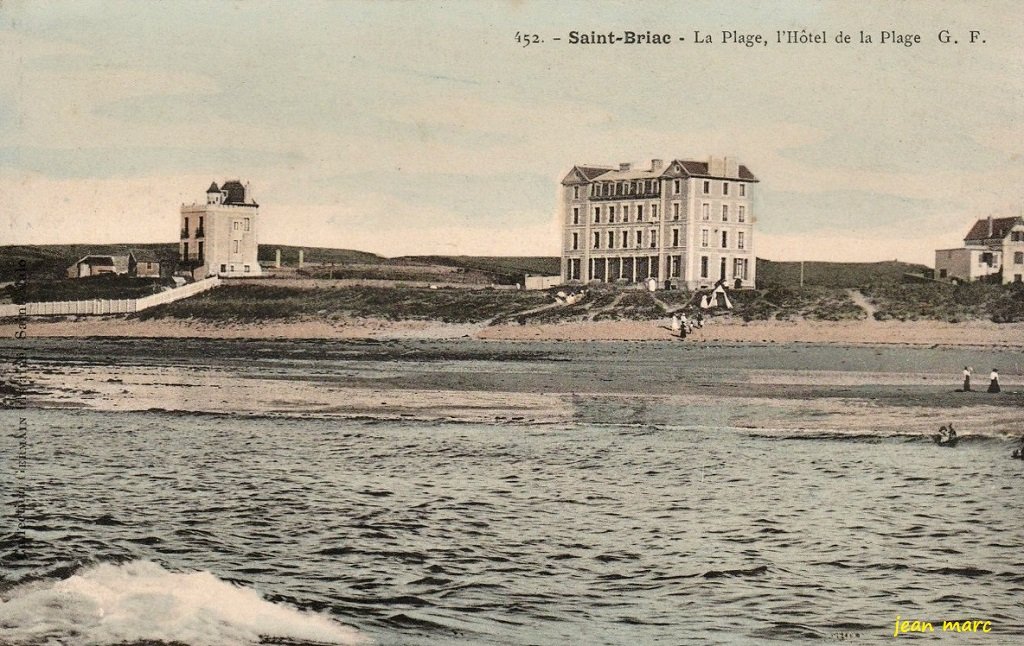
(140, 600)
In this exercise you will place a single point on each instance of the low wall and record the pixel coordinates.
(101, 306)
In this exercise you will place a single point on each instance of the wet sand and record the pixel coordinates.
(767, 388)
(870, 332)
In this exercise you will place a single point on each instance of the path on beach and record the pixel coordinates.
(861, 301)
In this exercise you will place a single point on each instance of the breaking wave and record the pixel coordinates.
(141, 601)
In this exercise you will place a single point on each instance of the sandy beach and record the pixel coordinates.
(927, 333)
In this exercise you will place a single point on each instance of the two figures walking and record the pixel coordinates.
(993, 380)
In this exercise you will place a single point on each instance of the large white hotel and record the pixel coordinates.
(684, 223)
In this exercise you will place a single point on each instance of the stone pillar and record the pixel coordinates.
(300, 258)
(277, 259)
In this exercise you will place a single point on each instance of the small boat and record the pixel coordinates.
(1018, 454)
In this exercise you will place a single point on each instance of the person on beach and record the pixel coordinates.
(993, 381)
(686, 325)
(676, 324)
(967, 379)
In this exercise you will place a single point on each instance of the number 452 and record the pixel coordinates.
(528, 39)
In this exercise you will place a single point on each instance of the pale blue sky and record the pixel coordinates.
(422, 127)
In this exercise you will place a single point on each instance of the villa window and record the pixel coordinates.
(725, 213)
(705, 211)
(575, 241)
(611, 239)
(741, 214)
(625, 213)
(639, 212)
(575, 192)
(639, 239)
(597, 215)
(654, 238)
(246, 269)
(676, 186)
(654, 211)
(625, 239)
(703, 237)
(740, 242)
(597, 240)
(235, 246)
(707, 187)
(611, 215)
(675, 210)
(743, 190)
(1018, 257)
(725, 188)
(725, 240)
(575, 215)
(703, 266)
(247, 224)
(675, 237)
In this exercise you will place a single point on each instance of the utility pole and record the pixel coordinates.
(801, 274)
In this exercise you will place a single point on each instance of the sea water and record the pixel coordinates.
(228, 529)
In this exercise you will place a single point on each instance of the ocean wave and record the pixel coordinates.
(141, 601)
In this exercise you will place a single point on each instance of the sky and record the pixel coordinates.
(425, 128)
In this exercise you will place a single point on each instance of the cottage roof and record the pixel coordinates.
(235, 194)
(119, 263)
(1000, 229)
(213, 188)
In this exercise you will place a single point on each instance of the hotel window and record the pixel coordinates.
(625, 213)
(725, 213)
(654, 238)
(654, 211)
(625, 239)
(611, 239)
(575, 215)
(703, 237)
(703, 266)
(575, 192)
(639, 212)
(725, 188)
(200, 222)
(247, 224)
(743, 190)
(575, 241)
(740, 242)
(246, 269)
(611, 215)
(705, 211)
(593, 190)
(741, 215)
(675, 210)
(675, 186)
(707, 187)
(597, 214)
(235, 246)
(236, 225)
(656, 185)
(725, 240)
(675, 237)
(639, 239)
(618, 189)
(737, 268)
(1018, 257)
(597, 240)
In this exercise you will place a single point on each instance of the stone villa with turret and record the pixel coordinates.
(684, 223)
(219, 238)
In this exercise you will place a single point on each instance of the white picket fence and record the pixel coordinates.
(99, 306)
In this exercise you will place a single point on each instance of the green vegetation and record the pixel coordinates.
(947, 302)
(265, 302)
(833, 274)
(105, 286)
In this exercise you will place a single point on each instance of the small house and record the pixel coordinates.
(143, 263)
(97, 265)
